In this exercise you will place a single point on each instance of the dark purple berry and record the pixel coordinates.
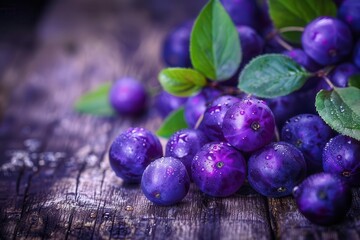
(128, 96)
(165, 103)
(299, 56)
(184, 144)
(195, 106)
(165, 181)
(341, 156)
(349, 12)
(309, 133)
(323, 198)
(243, 12)
(249, 125)
(218, 169)
(212, 121)
(356, 56)
(176, 46)
(132, 151)
(251, 43)
(339, 76)
(285, 107)
(327, 40)
(276, 169)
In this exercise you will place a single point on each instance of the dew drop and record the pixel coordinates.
(281, 189)
(339, 157)
(129, 208)
(346, 173)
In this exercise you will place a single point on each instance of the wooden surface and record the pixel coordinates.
(55, 178)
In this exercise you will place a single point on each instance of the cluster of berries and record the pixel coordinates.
(280, 145)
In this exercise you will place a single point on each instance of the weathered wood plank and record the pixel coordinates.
(70, 190)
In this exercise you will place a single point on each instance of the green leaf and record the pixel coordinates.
(340, 109)
(96, 102)
(272, 75)
(215, 46)
(354, 81)
(181, 81)
(173, 123)
(298, 13)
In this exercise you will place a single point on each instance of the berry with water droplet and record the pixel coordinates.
(132, 151)
(343, 159)
(274, 170)
(184, 144)
(309, 133)
(218, 169)
(211, 123)
(165, 181)
(251, 130)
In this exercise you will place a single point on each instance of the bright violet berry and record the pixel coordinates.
(349, 13)
(323, 198)
(276, 169)
(249, 125)
(212, 121)
(176, 51)
(132, 151)
(128, 96)
(165, 181)
(327, 40)
(184, 144)
(218, 169)
(341, 156)
(309, 133)
(165, 103)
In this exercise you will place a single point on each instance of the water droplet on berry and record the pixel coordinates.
(268, 157)
(281, 189)
(129, 208)
(242, 112)
(339, 157)
(346, 173)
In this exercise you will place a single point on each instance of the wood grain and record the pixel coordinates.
(55, 178)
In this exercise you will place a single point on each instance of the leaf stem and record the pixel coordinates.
(291, 29)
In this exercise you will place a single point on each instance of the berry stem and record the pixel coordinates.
(327, 80)
(225, 89)
(291, 29)
(283, 43)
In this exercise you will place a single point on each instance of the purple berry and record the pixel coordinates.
(341, 156)
(327, 40)
(251, 43)
(195, 106)
(242, 12)
(184, 144)
(218, 169)
(165, 181)
(309, 133)
(211, 123)
(176, 51)
(128, 96)
(323, 198)
(285, 107)
(349, 13)
(165, 103)
(249, 125)
(339, 76)
(356, 56)
(132, 151)
(299, 56)
(276, 169)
